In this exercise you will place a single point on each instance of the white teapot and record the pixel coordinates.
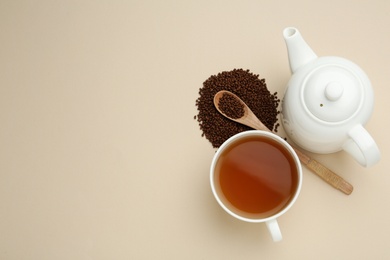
(327, 102)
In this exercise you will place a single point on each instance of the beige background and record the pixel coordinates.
(101, 158)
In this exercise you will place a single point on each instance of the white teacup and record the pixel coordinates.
(256, 176)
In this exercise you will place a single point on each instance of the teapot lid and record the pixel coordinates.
(332, 93)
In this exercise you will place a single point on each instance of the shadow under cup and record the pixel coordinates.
(256, 176)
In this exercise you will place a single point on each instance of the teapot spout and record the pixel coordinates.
(299, 52)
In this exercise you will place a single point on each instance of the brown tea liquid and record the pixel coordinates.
(257, 175)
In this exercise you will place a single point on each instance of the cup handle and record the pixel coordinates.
(274, 230)
(362, 146)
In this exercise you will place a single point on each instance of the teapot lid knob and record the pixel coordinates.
(333, 93)
(334, 90)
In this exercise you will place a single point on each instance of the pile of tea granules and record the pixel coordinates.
(246, 85)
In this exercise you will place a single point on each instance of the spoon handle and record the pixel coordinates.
(323, 172)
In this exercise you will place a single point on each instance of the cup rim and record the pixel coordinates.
(258, 133)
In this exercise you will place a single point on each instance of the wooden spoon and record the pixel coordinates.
(249, 119)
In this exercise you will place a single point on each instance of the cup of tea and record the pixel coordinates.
(256, 176)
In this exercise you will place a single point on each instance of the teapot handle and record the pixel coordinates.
(362, 146)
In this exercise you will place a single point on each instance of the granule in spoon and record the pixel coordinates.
(231, 106)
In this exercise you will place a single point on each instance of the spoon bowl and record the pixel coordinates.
(248, 118)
